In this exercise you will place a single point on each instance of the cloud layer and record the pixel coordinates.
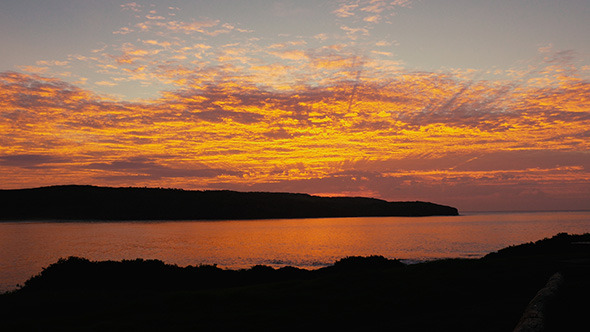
(387, 138)
(317, 114)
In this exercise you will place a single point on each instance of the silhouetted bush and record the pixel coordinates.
(560, 243)
(358, 263)
(81, 273)
(356, 293)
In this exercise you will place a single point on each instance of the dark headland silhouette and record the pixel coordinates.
(75, 202)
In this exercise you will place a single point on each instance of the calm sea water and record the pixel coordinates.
(27, 247)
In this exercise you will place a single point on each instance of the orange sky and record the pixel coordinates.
(420, 136)
(329, 120)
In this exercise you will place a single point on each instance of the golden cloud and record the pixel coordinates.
(223, 127)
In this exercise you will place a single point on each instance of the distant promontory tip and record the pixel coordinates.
(75, 202)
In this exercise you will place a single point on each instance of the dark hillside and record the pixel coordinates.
(105, 203)
(355, 294)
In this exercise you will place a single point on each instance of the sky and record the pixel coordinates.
(482, 105)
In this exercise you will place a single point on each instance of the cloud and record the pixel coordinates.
(189, 27)
(319, 124)
(163, 44)
(295, 55)
(123, 31)
(374, 7)
(133, 6)
(131, 54)
(372, 19)
(106, 83)
(30, 160)
(328, 113)
(155, 17)
(345, 10)
(220, 115)
(547, 48)
(435, 179)
(52, 63)
(34, 69)
(143, 167)
(402, 3)
(353, 33)
(20, 91)
(371, 11)
(383, 43)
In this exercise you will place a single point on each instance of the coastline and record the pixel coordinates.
(272, 242)
(75, 202)
(489, 293)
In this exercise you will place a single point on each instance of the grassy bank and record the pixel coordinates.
(370, 293)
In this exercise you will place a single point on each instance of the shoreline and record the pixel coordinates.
(485, 294)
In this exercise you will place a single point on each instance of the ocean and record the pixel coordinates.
(27, 247)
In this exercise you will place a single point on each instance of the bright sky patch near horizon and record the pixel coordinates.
(483, 105)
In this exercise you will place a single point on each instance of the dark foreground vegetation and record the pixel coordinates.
(106, 203)
(356, 293)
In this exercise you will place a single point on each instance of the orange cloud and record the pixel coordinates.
(188, 27)
(133, 6)
(106, 83)
(295, 55)
(225, 127)
(371, 11)
(34, 69)
(345, 10)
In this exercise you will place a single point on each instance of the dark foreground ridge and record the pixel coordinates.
(355, 294)
(106, 203)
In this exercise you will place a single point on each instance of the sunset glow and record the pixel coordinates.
(322, 97)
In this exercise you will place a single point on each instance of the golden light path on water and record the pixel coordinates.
(27, 247)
